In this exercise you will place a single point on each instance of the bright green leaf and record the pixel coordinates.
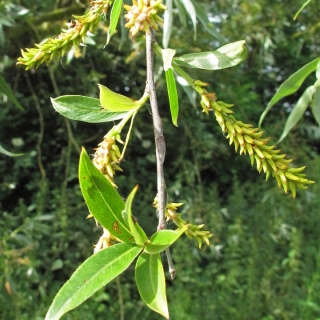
(85, 109)
(173, 95)
(225, 57)
(167, 24)
(298, 111)
(290, 85)
(5, 89)
(302, 7)
(116, 102)
(8, 153)
(162, 239)
(151, 283)
(114, 18)
(102, 199)
(315, 105)
(93, 274)
(128, 217)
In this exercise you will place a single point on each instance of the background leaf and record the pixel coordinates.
(298, 111)
(92, 275)
(192, 13)
(167, 24)
(85, 109)
(102, 199)
(315, 105)
(5, 89)
(225, 57)
(8, 153)
(162, 239)
(114, 18)
(290, 85)
(151, 283)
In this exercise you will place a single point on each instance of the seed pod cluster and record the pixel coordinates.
(193, 232)
(142, 15)
(107, 157)
(249, 140)
(55, 48)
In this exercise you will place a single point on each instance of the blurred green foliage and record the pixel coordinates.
(264, 261)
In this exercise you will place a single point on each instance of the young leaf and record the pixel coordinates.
(167, 24)
(162, 239)
(8, 153)
(225, 57)
(93, 274)
(114, 18)
(5, 89)
(102, 199)
(315, 105)
(85, 109)
(298, 111)
(116, 102)
(127, 215)
(290, 85)
(151, 282)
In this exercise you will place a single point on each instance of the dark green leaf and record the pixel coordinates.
(93, 274)
(315, 105)
(102, 199)
(85, 109)
(151, 283)
(298, 111)
(290, 85)
(161, 240)
(5, 89)
(225, 57)
(114, 18)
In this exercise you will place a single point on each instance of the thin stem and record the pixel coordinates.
(158, 133)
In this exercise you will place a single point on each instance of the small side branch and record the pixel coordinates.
(158, 132)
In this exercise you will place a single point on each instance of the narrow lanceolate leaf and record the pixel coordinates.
(315, 105)
(114, 18)
(298, 111)
(290, 85)
(161, 240)
(225, 57)
(151, 283)
(93, 274)
(127, 215)
(173, 95)
(85, 109)
(167, 24)
(8, 153)
(102, 199)
(5, 89)
(116, 102)
(192, 13)
(207, 25)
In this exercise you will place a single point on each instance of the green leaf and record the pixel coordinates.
(302, 7)
(318, 70)
(8, 153)
(298, 111)
(182, 13)
(102, 199)
(127, 216)
(225, 57)
(290, 85)
(167, 24)
(5, 89)
(114, 18)
(85, 109)
(173, 96)
(315, 105)
(116, 102)
(151, 283)
(93, 274)
(203, 18)
(192, 13)
(162, 239)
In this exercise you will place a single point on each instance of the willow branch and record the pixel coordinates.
(158, 133)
